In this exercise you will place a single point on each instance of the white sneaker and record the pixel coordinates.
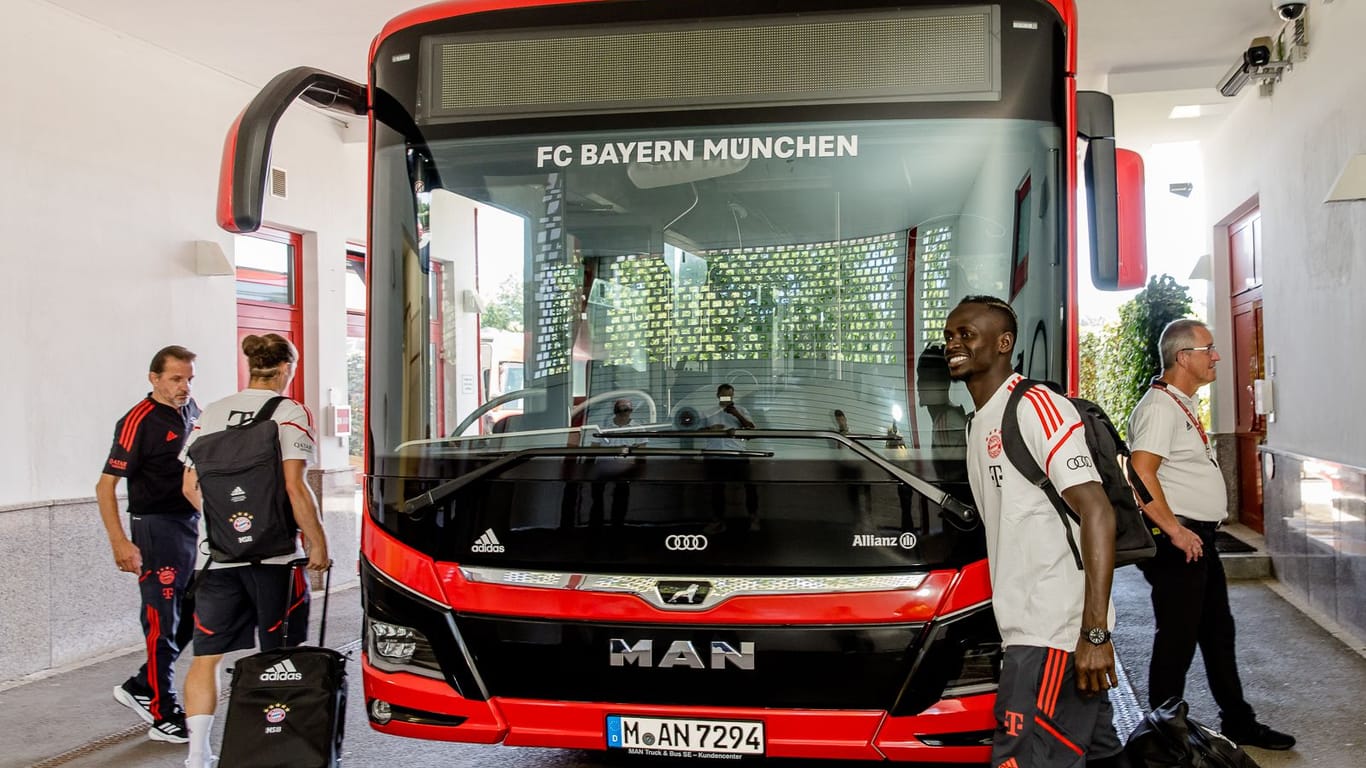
(171, 730)
(139, 703)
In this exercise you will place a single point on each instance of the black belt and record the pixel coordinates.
(1198, 525)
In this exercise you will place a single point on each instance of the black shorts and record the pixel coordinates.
(1042, 720)
(233, 606)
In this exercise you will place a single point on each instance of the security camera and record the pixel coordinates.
(1289, 9)
(1258, 53)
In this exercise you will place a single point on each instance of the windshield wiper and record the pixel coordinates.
(445, 490)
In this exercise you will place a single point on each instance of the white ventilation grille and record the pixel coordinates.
(278, 186)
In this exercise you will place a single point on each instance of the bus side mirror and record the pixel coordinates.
(1132, 270)
(246, 150)
(1114, 203)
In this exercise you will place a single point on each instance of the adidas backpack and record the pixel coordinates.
(247, 513)
(1110, 455)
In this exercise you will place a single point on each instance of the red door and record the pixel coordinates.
(1248, 361)
(268, 269)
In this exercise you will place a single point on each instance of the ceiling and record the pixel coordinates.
(1126, 46)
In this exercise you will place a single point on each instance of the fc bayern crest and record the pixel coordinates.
(994, 443)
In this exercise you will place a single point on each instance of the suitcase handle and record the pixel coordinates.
(327, 589)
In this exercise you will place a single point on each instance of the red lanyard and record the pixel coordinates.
(1162, 385)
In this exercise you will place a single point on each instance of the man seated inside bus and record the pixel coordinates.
(621, 418)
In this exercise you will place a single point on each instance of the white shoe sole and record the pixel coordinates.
(127, 700)
(156, 735)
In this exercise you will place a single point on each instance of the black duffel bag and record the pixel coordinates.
(1168, 738)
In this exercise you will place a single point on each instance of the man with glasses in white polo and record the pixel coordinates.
(1174, 458)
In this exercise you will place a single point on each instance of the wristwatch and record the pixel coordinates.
(1096, 635)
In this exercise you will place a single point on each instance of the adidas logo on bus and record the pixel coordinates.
(488, 543)
(284, 672)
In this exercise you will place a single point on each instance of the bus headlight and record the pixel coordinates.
(980, 671)
(396, 648)
(961, 656)
(393, 642)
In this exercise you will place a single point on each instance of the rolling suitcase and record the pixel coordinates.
(287, 708)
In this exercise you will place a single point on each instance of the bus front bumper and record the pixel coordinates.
(951, 730)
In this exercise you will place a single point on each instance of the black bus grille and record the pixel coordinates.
(826, 667)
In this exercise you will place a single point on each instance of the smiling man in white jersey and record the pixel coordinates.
(1052, 710)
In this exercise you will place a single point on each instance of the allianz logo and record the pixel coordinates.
(487, 544)
(905, 540)
(284, 672)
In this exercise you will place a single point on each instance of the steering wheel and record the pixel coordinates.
(466, 422)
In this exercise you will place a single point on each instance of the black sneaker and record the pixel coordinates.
(171, 730)
(139, 702)
(1260, 736)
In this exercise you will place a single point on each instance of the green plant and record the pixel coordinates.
(355, 388)
(505, 309)
(1125, 354)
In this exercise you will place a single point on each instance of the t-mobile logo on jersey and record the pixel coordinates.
(1014, 721)
(995, 473)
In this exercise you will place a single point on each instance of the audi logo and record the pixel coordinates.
(679, 543)
(1077, 462)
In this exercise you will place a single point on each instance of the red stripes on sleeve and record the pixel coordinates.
(1046, 409)
(131, 422)
(1060, 444)
(296, 426)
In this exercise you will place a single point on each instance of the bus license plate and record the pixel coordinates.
(661, 736)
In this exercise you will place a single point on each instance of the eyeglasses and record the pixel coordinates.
(1208, 348)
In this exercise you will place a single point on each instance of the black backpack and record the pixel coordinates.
(247, 513)
(1133, 539)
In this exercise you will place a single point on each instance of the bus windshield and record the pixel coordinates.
(670, 286)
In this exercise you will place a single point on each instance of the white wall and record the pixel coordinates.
(109, 156)
(453, 228)
(1288, 149)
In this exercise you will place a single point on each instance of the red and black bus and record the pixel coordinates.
(772, 202)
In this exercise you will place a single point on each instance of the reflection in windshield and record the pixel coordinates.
(765, 277)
